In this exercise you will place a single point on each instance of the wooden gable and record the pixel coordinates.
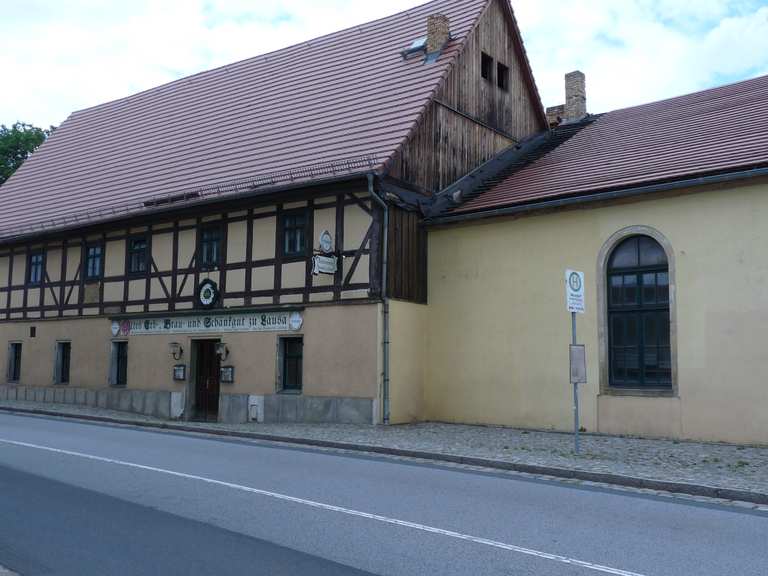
(470, 118)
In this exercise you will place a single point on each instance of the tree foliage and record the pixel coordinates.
(16, 144)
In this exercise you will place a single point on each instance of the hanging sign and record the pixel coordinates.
(211, 323)
(574, 291)
(324, 265)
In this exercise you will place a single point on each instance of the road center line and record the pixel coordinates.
(340, 510)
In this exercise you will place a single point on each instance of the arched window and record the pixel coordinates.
(639, 351)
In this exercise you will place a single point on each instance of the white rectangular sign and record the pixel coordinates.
(324, 265)
(210, 323)
(578, 356)
(574, 291)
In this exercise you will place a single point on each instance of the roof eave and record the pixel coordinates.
(177, 207)
(589, 198)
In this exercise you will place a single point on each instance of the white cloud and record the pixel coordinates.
(69, 55)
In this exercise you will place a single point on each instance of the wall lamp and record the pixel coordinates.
(176, 350)
(222, 351)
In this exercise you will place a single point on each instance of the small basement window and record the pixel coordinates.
(291, 356)
(486, 67)
(63, 355)
(502, 76)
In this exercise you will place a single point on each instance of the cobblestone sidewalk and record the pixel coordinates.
(716, 465)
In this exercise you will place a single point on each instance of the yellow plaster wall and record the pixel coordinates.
(408, 331)
(341, 354)
(498, 331)
(89, 367)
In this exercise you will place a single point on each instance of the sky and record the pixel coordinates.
(66, 55)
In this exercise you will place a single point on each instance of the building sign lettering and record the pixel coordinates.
(250, 322)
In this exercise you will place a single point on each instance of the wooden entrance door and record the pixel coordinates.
(207, 380)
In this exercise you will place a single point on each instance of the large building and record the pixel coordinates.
(217, 247)
(374, 226)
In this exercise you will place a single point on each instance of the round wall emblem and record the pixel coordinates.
(115, 328)
(207, 293)
(574, 280)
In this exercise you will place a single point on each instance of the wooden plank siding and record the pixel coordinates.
(471, 119)
(407, 257)
(445, 147)
(512, 111)
(253, 270)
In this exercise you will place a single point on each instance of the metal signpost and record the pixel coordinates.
(574, 297)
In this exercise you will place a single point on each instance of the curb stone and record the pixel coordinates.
(557, 472)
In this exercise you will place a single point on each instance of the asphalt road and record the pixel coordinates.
(93, 499)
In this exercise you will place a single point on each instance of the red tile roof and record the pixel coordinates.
(718, 130)
(346, 96)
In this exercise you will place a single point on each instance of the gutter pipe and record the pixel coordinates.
(602, 196)
(384, 301)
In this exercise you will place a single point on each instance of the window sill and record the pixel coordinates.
(298, 257)
(640, 392)
(290, 392)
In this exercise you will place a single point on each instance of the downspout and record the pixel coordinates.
(384, 300)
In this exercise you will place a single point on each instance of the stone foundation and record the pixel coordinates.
(160, 404)
(233, 408)
(279, 408)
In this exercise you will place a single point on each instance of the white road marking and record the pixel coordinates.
(340, 510)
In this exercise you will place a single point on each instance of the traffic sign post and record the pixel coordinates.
(574, 298)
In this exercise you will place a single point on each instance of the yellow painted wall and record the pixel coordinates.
(498, 330)
(90, 339)
(341, 354)
(408, 328)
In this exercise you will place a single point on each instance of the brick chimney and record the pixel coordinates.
(575, 96)
(438, 32)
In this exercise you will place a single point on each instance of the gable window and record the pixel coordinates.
(638, 315)
(291, 356)
(35, 269)
(486, 67)
(210, 247)
(14, 362)
(61, 367)
(94, 260)
(137, 255)
(118, 366)
(294, 234)
(502, 77)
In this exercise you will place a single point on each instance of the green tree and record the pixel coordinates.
(16, 144)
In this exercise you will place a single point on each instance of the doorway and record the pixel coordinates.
(207, 368)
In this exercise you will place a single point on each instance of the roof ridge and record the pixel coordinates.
(710, 90)
(446, 71)
(293, 46)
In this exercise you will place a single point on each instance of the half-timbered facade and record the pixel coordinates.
(238, 245)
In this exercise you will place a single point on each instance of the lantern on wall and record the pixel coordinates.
(176, 350)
